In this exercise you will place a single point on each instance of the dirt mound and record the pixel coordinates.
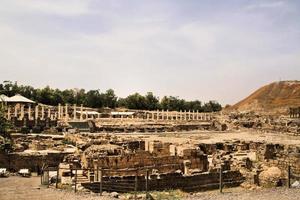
(277, 97)
(270, 177)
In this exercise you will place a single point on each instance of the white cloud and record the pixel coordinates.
(266, 5)
(51, 7)
(194, 59)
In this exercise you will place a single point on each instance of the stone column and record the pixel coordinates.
(184, 115)
(8, 112)
(66, 112)
(22, 112)
(157, 114)
(87, 115)
(16, 111)
(187, 165)
(81, 112)
(43, 112)
(36, 112)
(194, 115)
(29, 112)
(197, 114)
(49, 113)
(74, 112)
(59, 110)
(147, 116)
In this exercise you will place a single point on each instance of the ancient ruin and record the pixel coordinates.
(140, 150)
(149, 99)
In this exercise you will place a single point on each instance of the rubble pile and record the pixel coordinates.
(261, 121)
(141, 126)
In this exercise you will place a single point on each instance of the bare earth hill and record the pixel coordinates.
(274, 97)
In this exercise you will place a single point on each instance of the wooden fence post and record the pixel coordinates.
(75, 180)
(221, 179)
(42, 174)
(101, 181)
(147, 184)
(57, 172)
(48, 178)
(136, 184)
(97, 174)
(289, 176)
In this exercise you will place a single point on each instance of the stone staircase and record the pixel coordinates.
(82, 179)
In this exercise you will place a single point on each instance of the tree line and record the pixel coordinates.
(98, 99)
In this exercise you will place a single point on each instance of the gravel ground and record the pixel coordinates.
(242, 194)
(18, 188)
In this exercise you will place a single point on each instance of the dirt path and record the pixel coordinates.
(241, 194)
(18, 188)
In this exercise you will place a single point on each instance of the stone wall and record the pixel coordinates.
(280, 156)
(34, 162)
(163, 164)
(203, 181)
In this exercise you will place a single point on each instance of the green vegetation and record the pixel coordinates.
(96, 99)
(4, 124)
(5, 139)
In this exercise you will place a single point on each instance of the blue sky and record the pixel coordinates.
(195, 49)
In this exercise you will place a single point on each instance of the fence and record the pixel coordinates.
(138, 180)
(292, 176)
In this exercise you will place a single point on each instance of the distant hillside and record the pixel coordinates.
(277, 96)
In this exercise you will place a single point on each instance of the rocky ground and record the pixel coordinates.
(18, 188)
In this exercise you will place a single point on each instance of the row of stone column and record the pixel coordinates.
(175, 115)
(69, 112)
(39, 111)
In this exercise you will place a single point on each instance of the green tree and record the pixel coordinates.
(4, 124)
(212, 106)
(152, 102)
(121, 102)
(68, 96)
(173, 103)
(94, 99)
(110, 99)
(136, 101)
(80, 96)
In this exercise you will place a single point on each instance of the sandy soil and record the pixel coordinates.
(212, 137)
(241, 194)
(18, 188)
